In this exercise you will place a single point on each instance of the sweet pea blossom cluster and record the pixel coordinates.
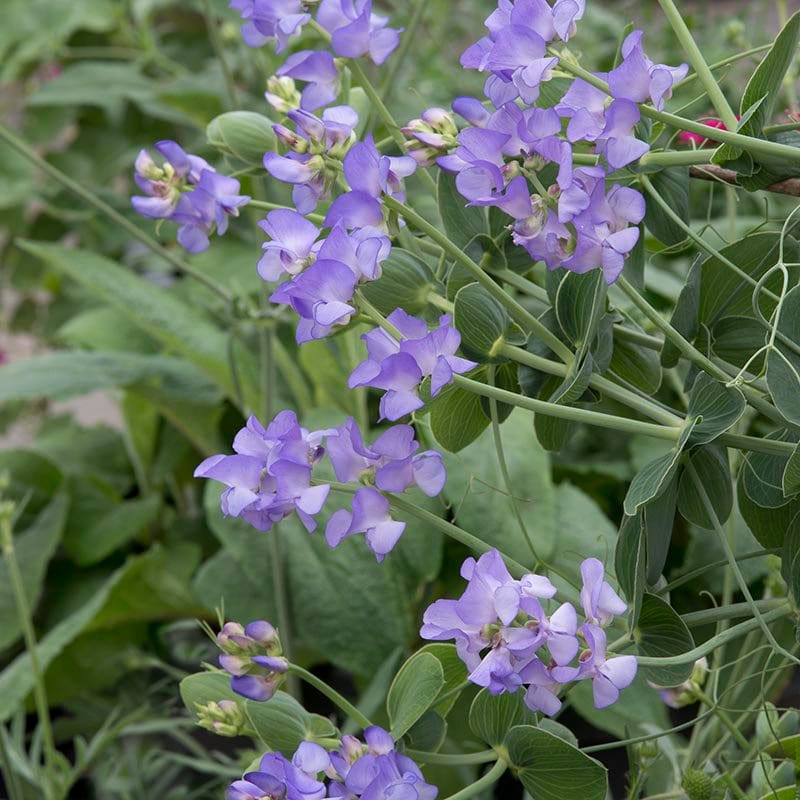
(270, 477)
(507, 640)
(188, 191)
(252, 655)
(354, 31)
(371, 770)
(576, 222)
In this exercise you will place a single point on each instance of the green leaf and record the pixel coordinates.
(783, 363)
(34, 480)
(462, 223)
(281, 723)
(454, 671)
(122, 523)
(57, 376)
(790, 560)
(556, 516)
(659, 518)
(715, 407)
(767, 80)
(551, 769)
(147, 587)
(673, 186)
(660, 633)
(736, 340)
(405, 283)
(428, 733)
(243, 135)
(768, 525)
(579, 305)
(491, 717)
(33, 549)
(483, 324)
(167, 319)
(761, 474)
(637, 365)
(790, 480)
(413, 691)
(711, 464)
(723, 293)
(630, 560)
(105, 84)
(652, 480)
(457, 418)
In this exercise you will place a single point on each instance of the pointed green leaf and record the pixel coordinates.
(405, 282)
(413, 691)
(483, 324)
(461, 222)
(630, 560)
(492, 716)
(673, 185)
(711, 463)
(551, 769)
(661, 633)
(715, 407)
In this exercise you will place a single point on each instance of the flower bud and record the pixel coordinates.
(241, 134)
(224, 718)
(291, 140)
(252, 656)
(282, 94)
(440, 120)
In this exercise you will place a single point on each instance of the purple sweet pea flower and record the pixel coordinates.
(214, 199)
(356, 31)
(369, 515)
(638, 79)
(585, 107)
(557, 632)
(291, 247)
(318, 70)
(472, 110)
(542, 692)
(399, 367)
(392, 459)
(269, 478)
(616, 141)
(270, 19)
(608, 675)
(162, 185)
(305, 171)
(252, 656)
(298, 777)
(374, 174)
(376, 771)
(355, 210)
(600, 602)
(362, 250)
(321, 296)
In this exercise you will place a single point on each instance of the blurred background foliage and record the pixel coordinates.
(121, 549)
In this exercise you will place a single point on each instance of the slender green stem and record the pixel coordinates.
(118, 219)
(729, 635)
(749, 143)
(489, 779)
(689, 351)
(753, 51)
(317, 219)
(517, 311)
(452, 759)
(213, 27)
(704, 74)
(723, 717)
(469, 540)
(781, 128)
(406, 41)
(736, 790)
(647, 737)
(26, 623)
(696, 573)
(603, 385)
(323, 688)
(292, 376)
(596, 418)
(730, 555)
(501, 460)
(7, 771)
(675, 158)
(732, 611)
